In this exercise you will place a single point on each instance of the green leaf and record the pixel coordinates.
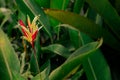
(17, 76)
(91, 14)
(96, 64)
(6, 12)
(33, 64)
(75, 38)
(78, 5)
(96, 67)
(117, 5)
(21, 5)
(99, 20)
(108, 13)
(58, 49)
(44, 74)
(88, 48)
(38, 11)
(28, 7)
(75, 35)
(74, 60)
(77, 75)
(3, 3)
(85, 25)
(8, 58)
(59, 4)
(43, 3)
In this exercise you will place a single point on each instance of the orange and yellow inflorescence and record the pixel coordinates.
(31, 30)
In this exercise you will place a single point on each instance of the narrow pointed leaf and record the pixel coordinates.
(43, 3)
(95, 64)
(78, 5)
(85, 25)
(96, 67)
(38, 11)
(108, 13)
(44, 74)
(8, 58)
(17, 76)
(74, 60)
(91, 14)
(30, 7)
(58, 49)
(75, 38)
(59, 4)
(24, 8)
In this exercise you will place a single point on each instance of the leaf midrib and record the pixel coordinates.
(92, 69)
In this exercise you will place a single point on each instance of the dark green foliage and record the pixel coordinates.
(79, 40)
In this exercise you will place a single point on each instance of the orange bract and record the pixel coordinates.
(30, 32)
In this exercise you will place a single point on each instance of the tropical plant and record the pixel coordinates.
(78, 40)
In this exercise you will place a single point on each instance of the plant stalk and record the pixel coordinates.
(36, 61)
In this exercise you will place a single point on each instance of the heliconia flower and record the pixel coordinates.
(31, 30)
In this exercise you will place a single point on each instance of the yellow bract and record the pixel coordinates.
(30, 31)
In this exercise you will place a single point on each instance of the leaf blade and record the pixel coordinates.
(108, 13)
(8, 58)
(58, 49)
(73, 62)
(96, 67)
(85, 25)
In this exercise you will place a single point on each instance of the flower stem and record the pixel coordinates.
(36, 62)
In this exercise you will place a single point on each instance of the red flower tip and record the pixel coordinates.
(21, 23)
(34, 35)
(31, 30)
